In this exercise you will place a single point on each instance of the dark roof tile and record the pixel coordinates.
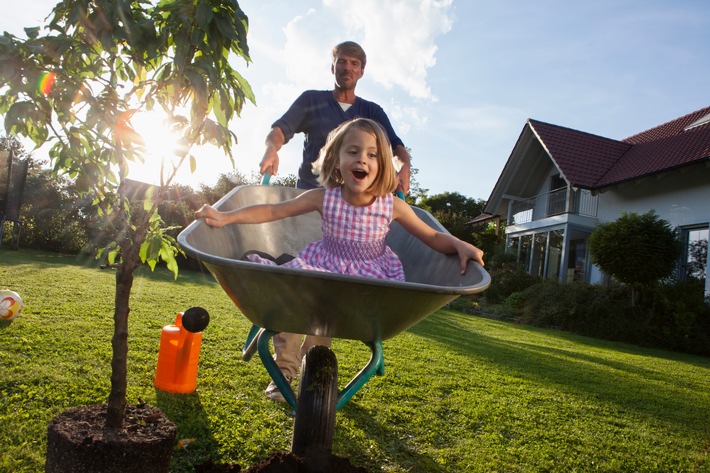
(671, 128)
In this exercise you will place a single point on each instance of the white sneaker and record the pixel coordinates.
(273, 393)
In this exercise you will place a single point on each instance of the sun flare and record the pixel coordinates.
(164, 149)
(161, 148)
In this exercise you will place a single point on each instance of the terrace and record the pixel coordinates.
(559, 201)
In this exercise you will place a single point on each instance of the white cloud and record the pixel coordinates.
(404, 118)
(306, 51)
(399, 37)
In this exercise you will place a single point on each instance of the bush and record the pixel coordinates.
(54, 215)
(672, 317)
(577, 307)
(506, 279)
(678, 317)
(465, 304)
(638, 250)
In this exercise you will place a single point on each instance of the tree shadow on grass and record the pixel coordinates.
(579, 369)
(196, 444)
(397, 451)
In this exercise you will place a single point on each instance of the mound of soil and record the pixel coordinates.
(78, 441)
(282, 462)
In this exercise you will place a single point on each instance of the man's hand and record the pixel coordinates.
(270, 162)
(404, 174)
(404, 177)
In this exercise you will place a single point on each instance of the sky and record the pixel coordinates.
(460, 78)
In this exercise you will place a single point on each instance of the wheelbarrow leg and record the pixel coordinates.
(251, 342)
(376, 365)
(314, 426)
(263, 338)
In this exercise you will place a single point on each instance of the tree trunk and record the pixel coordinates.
(119, 343)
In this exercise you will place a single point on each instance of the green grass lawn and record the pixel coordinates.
(460, 393)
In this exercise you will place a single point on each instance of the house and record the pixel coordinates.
(558, 183)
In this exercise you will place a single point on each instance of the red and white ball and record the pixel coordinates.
(10, 304)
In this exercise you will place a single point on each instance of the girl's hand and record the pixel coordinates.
(212, 216)
(467, 252)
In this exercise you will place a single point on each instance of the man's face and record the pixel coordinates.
(347, 71)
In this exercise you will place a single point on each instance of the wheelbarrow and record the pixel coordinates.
(277, 299)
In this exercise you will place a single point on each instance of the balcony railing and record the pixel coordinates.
(560, 201)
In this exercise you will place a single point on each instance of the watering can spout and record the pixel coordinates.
(179, 352)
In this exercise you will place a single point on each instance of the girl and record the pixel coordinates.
(357, 206)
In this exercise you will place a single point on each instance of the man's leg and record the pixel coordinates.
(287, 358)
(311, 341)
(286, 353)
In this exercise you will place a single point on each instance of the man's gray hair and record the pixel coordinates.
(350, 48)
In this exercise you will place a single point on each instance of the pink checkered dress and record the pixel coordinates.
(353, 240)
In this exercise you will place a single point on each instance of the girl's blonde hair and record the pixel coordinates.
(326, 166)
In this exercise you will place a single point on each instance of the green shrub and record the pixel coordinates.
(638, 250)
(506, 279)
(577, 307)
(673, 316)
(679, 319)
(465, 304)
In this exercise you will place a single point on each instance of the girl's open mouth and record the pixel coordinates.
(359, 174)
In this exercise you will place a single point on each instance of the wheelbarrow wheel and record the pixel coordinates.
(314, 426)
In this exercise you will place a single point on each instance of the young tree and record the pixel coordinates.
(79, 85)
(636, 249)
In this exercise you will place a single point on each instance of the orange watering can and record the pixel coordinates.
(179, 352)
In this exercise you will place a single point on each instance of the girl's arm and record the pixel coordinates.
(309, 201)
(439, 241)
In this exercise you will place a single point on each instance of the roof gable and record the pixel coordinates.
(583, 158)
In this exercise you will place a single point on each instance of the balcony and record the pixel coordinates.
(560, 201)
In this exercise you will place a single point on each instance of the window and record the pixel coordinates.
(525, 253)
(695, 253)
(539, 253)
(557, 199)
(537, 267)
(554, 254)
(577, 255)
(513, 246)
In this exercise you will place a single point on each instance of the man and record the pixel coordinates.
(315, 114)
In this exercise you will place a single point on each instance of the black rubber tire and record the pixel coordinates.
(314, 426)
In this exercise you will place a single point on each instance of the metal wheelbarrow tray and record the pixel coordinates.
(320, 303)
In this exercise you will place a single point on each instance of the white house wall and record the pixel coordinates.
(681, 197)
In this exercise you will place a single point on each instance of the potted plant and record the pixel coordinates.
(79, 86)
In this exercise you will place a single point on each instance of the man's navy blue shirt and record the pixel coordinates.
(315, 114)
